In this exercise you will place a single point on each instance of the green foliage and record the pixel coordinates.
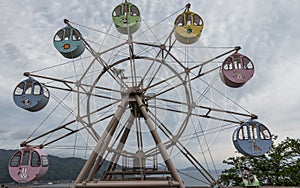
(280, 166)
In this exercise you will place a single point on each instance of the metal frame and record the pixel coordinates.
(133, 95)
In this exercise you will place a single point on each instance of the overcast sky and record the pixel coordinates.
(267, 31)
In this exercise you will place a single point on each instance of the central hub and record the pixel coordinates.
(132, 92)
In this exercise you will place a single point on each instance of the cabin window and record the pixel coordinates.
(59, 35)
(35, 159)
(247, 64)
(117, 11)
(243, 133)
(197, 20)
(179, 20)
(235, 135)
(237, 64)
(28, 87)
(228, 64)
(67, 34)
(25, 160)
(76, 35)
(37, 90)
(188, 19)
(15, 161)
(125, 9)
(46, 93)
(264, 133)
(20, 88)
(253, 132)
(45, 161)
(134, 10)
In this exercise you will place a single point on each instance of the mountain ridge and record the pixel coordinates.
(61, 169)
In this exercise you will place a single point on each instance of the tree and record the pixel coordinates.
(280, 166)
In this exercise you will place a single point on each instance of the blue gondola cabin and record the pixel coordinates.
(31, 95)
(252, 138)
(68, 41)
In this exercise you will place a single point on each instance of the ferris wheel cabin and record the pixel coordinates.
(68, 42)
(252, 138)
(126, 17)
(28, 164)
(188, 27)
(31, 95)
(236, 70)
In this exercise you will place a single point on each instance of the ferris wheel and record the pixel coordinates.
(145, 93)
